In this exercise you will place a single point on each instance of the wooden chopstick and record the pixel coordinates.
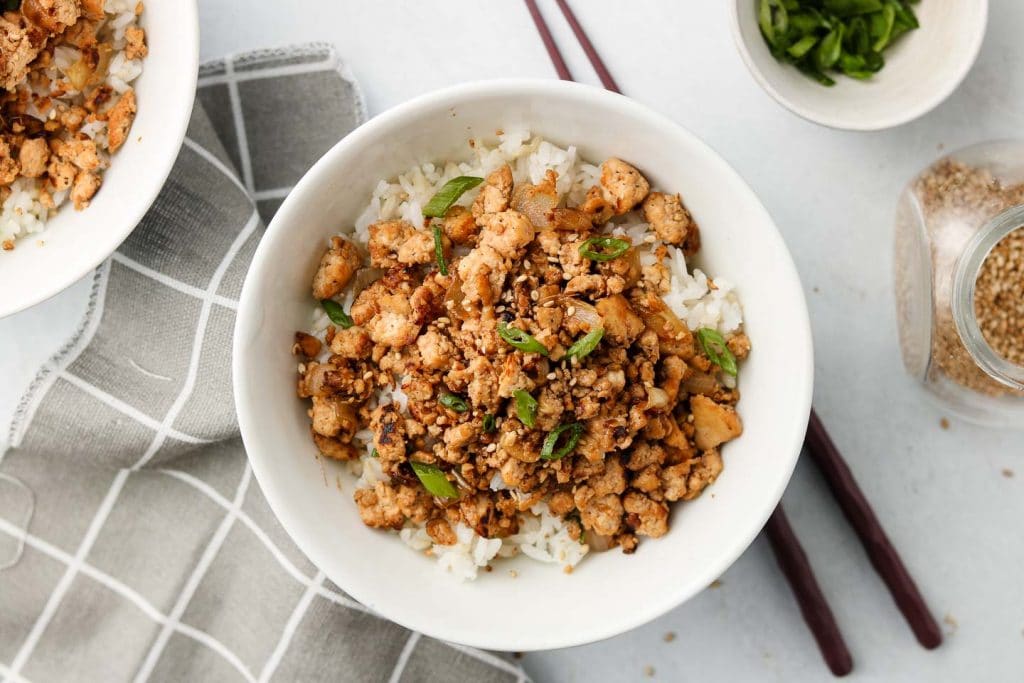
(549, 42)
(879, 548)
(794, 565)
(588, 48)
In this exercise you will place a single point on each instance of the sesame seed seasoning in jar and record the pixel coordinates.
(959, 276)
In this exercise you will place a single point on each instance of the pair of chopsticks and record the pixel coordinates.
(788, 551)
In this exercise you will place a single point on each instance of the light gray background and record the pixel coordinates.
(950, 499)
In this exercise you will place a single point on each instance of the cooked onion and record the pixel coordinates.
(700, 383)
(569, 219)
(599, 543)
(454, 295)
(673, 335)
(535, 202)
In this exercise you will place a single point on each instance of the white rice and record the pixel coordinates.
(697, 301)
(22, 213)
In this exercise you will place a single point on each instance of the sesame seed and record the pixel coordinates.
(534, 295)
(552, 376)
(570, 311)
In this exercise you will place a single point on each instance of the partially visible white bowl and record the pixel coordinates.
(75, 242)
(922, 68)
(542, 608)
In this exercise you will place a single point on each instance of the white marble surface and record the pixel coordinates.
(946, 496)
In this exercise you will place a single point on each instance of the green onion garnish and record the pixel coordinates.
(374, 453)
(439, 251)
(604, 248)
(433, 480)
(454, 402)
(716, 350)
(548, 450)
(12, 5)
(449, 194)
(523, 341)
(585, 344)
(848, 36)
(526, 408)
(489, 423)
(337, 314)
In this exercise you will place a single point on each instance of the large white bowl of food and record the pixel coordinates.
(522, 364)
(96, 96)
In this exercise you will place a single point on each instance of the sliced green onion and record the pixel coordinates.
(454, 402)
(585, 344)
(849, 8)
(337, 314)
(548, 450)
(604, 248)
(802, 46)
(820, 36)
(523, 341)
(449, 194)
(439, 251)
(716, 350)
(526, 408)
(489, 423)
(433, 480)
(374, 453)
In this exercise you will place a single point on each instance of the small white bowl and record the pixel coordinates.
(921, 70)
(542, 607)
(74, 242)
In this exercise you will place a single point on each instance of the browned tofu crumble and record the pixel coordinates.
(652, 408)
(40, 135)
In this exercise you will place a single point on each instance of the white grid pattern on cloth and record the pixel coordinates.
(112, 584)
(125, 409)
(291, 626)
(262, 536)
(232, 76)
(76, 564)
(403, 658)
(198, 572)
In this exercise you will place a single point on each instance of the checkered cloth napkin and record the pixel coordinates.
(150, 552)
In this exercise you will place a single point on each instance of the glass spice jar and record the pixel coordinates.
(959, 278)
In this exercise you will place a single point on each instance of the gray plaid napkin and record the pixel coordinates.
(150, 552)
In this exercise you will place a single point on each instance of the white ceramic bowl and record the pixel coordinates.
(542, 608)
(75, 242)
(922, 68)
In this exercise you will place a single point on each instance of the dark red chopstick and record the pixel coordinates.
(794, 565)
(588, 48)
(879, 548)
(549, 42)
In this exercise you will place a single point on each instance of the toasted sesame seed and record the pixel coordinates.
(552, 376)
(534, 295)
(570, 311)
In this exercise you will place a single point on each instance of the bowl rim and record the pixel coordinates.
(835, 123)
(248, 322)
(188, 51)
